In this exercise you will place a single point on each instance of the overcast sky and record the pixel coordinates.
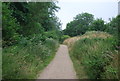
(104, 9)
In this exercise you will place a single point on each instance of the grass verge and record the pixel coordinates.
(25, 62)
(95, 57)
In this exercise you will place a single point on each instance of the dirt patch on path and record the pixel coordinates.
(61, 67)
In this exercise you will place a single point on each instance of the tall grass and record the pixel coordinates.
(26, 62)
(98, 56)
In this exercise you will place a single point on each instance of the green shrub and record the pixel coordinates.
(51, 43)
(52, 34)
(64, 37)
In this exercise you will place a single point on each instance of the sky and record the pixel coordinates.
(104, 9)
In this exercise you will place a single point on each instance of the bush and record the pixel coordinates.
(64, 37)
(52, 34)
(51, 43)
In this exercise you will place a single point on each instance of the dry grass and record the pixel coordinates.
(90, 34)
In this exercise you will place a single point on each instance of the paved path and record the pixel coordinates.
(61, 67)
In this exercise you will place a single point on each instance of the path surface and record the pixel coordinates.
(61, 67)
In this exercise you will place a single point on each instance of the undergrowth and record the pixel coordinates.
(97, 56)
(27, 61)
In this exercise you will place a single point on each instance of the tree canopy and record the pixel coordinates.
(22, 19)
(79, 25)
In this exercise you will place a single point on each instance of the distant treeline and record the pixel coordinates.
(86, 22)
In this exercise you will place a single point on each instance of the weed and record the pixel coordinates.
(25, 62)
(96, 55)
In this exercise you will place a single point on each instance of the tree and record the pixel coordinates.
(79, 25)
(98, 25)
(35, 17)
(9, 26)
(113, 27)
(20, 11)
(84, 18)
(22, 19)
